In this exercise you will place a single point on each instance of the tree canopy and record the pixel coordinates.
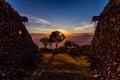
(57, 37)
(70, 44)
(45, 41)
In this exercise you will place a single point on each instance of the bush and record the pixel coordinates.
(45, 50)
(82, 50)
(62, 49)
(86, 49)
(75, 52)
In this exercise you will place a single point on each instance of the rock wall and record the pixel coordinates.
(105, 53)
(16, 46)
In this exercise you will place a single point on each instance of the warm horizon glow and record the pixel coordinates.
(86, 27)
(65, 32)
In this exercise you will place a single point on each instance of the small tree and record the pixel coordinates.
(50, 42)
(45, 41)
(56, 37)
(70, 44)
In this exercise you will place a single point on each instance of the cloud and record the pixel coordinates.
(37, 25)
(39, 30)
(86, 28)
(39, 20)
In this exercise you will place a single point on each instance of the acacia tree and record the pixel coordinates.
(56, 37)
(50, 42)
(45, 41)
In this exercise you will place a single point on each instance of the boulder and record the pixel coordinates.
(105, 52)
(17, 49)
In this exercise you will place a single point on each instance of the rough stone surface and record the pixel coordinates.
(16, 46)
(105, 53)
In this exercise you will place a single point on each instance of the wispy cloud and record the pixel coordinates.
(38, 25)
(84, 28)
(39, 30)
(39, 20)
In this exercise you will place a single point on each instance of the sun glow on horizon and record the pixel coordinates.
(47, 31)
(64, 32)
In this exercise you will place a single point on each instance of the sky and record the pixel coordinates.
(70, 16)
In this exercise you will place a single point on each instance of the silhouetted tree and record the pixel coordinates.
(45, 41)
(57, 37)
(70, 44)
(50, 42)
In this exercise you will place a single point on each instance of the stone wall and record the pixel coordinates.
(105, 53)
(16, 46)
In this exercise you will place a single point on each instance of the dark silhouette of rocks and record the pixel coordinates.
(105, 53)
(16, 46)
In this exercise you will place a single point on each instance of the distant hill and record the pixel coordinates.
(80, 39)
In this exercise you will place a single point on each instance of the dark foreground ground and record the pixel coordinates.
(62, 67)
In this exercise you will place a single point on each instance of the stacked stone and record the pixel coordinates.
(16, 46)
(105, 53)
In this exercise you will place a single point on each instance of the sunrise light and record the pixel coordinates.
(64, 31)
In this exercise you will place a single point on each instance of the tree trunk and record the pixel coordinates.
(56, 44)
(50, 45)
(45, 46)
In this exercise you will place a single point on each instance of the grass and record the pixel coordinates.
(63, 67)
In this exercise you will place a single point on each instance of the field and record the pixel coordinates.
(61, 67)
